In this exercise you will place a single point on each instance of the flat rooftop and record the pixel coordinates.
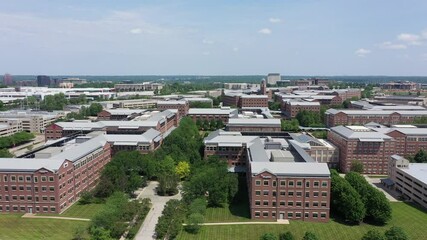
(418, 171)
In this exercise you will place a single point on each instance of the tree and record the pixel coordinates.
(268, 236)
(205, 125)
(199, 205)
(310, 236)
(86, 198)
(345, 201)
(94, 109)
(170, 223)
(99, 233)
(219, 124)
(4, 153)
(79, 233)
(420, 156)
(373, 234)
(346, 103)
(168, 184)
(286, 236)
(378, 207)
(290, 125)
(182, 169)
(193, 222)
(396, 233)
(356, 166)
(308, 118)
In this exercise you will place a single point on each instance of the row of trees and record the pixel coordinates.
(170, 223)
(420, 157)
(117, 214)
(394, 233)
(288, 236)
(15, 139)
(290, 125)
(209, 125)
(355, 200)
(309, 119)
(378, 209)
(84, 112)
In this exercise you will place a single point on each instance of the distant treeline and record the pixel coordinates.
(231, 78)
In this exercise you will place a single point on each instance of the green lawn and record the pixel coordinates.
(411, 219)
(78, 211)
(12, 226)
(235, 213)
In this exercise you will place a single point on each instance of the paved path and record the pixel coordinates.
(243, 223)
(146, 232)
(29, 215)
(390, 194)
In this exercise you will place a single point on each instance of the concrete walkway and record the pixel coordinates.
(146, 232)
(243, 223)
(391, 195)
(29, 215)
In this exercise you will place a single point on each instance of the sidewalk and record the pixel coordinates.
(29, 215)
(243, 223)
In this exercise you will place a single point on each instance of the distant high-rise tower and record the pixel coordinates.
(7, 79)
(263, 88)
(43, 81)
(272, 78)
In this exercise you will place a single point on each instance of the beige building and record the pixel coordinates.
(32, 121)
(409, 179)
(320, 150)
(10, 126)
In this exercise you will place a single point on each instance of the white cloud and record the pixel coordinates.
(361, 52)
(274, 20)
(235, 49)
(206, 53)
(266, 31)
(206, 41)
(390, 45)
(136, 31)
(411, 39)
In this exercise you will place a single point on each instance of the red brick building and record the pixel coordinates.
(181, 106)
(254, 125)
(162, 122)
(291, 108)
(336, 117)
(241, 100)
(51, 185)
(358, 143)
(278, 186)
(118, 114)
(289, 190)
(209, 114)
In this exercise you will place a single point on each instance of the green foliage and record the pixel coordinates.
(120, 174)
(345, 201)
(4, 153)
(396, 233)
(168, 184)
(320, 134)
(373, 234)
(86, 198)
(356, 166)
(97, 84)
(79, 233)
(199, 205)
(54, 102)
(213, 180)
(193, 223)
(290, 125)
(346, 103)
(378, 207)
(170, 223)
(286, 236)
(310, 236)
(99, 233)
(420, 156)
(309, 118)
(182, 169)
(118, 210)
(15, 139)
(420, 120)
(274, 106)
(200, 105)
(178, 87)
(94, 109)
(268, 236)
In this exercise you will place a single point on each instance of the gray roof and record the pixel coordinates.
(253, 121)
(125, 111)
(212, 111)
(366, 134)
(292, 169)
(378, 112)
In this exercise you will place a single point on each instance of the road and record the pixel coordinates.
(146, 232)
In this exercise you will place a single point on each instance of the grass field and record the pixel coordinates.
(411, 219)
(78, 211)
(12, 226)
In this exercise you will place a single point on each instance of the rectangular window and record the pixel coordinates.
(51, 179)
(266, 182)
(274, 183)
(265, 203)
(257, 214)
(257, 203)
(258, 182)
(291, 183)
(307, 184)
(299, 183)
(324, 183)
(257, 193)
(283, 183)
(316, 184)
(12, 178)
(265, 193)
(20, 178)
(265, 214)
(36, 179)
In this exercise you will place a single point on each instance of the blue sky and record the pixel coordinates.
(301, 37)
